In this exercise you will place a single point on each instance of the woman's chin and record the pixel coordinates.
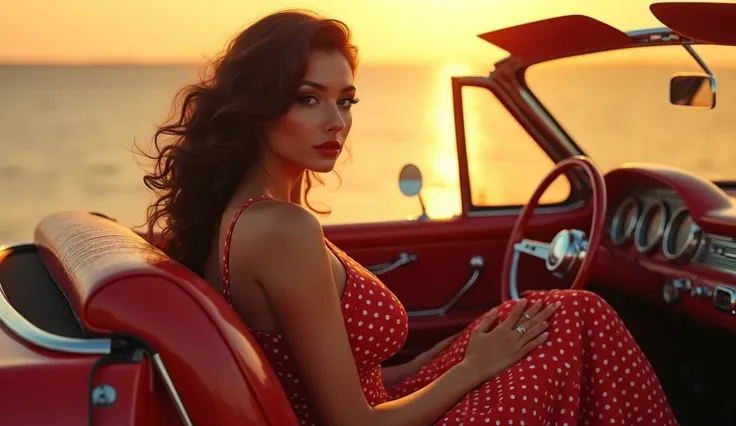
(323, 165)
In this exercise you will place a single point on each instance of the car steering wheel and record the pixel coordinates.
(570, 250)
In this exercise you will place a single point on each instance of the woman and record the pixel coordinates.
(277, 110)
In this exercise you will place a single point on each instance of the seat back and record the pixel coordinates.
(119, 284)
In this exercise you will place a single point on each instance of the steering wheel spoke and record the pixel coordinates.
(570, 252)
(533, 248)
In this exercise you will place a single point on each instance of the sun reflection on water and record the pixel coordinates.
(441, 192)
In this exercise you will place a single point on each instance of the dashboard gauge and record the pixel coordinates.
(650, 227)
(624, 221)
(682, 237)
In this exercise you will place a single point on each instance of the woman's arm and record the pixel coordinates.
(283, 246)
(396, 373)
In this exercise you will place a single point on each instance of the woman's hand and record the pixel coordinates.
(491, 352)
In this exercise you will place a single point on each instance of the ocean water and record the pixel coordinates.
(67, 133)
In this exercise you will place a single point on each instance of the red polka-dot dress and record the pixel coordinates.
(589, 372)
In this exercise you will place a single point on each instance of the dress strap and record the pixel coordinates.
(225, 280)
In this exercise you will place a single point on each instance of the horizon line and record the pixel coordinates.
(375, 63)
(134, 63)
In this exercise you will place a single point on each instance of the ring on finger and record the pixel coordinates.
(521, 329)
(527, 316)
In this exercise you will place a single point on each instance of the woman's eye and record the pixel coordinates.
(307, 99)
(348, 102)
(312, 100)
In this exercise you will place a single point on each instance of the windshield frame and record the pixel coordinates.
(517, 67)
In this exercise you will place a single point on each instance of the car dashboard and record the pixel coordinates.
(678, 231)
(657, 224)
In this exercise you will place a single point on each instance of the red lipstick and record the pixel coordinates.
(329, 149)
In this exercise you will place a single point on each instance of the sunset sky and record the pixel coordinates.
(175, 31)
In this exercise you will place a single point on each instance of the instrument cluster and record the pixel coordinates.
(656, 222)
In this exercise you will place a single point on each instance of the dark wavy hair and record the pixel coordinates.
(216, 127)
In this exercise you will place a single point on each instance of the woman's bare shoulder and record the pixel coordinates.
(271, 219)
(275, 228)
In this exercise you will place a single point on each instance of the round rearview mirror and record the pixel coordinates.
(410, 180)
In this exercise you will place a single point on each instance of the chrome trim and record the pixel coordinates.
(700, 62)
(701, 292)
(402, 259)
(103, 396)
(161, 368)
(673, 289)
(644, 219)
(547, 119)
(618, 217)
(24, 329)
(719, 253)
(578, 183)
(564, 254)
(724, 298)
(477, 264)
(692, 244)
(649, 32)
(513, 286)
(567, 251)
(533, 248)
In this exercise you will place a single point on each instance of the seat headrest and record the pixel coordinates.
(84, 252)
(116, 282)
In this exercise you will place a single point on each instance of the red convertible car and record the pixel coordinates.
(92, 330)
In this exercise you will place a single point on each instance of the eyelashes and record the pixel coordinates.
(309, 100)
(351, 101)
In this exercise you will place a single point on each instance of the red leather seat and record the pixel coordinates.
(117, 283)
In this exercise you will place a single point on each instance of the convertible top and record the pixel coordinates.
(557, 38)
(705, 22)
(572, 35)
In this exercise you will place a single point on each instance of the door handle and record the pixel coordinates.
(402, 259)
(477, 264)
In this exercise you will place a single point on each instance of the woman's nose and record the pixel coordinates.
(335, 121)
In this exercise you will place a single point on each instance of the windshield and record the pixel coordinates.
(616, 107)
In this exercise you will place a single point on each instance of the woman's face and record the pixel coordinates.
(312, 134)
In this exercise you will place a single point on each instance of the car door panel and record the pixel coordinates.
(443, 251)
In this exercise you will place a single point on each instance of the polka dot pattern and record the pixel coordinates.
(375, 320)
(590, 371)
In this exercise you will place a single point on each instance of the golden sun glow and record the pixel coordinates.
(442, 198)
(387, 31)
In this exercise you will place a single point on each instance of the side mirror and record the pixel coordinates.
(410, 180)
(410, 184)
(694, 90)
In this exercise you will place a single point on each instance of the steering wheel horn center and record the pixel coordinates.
(566, 252)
